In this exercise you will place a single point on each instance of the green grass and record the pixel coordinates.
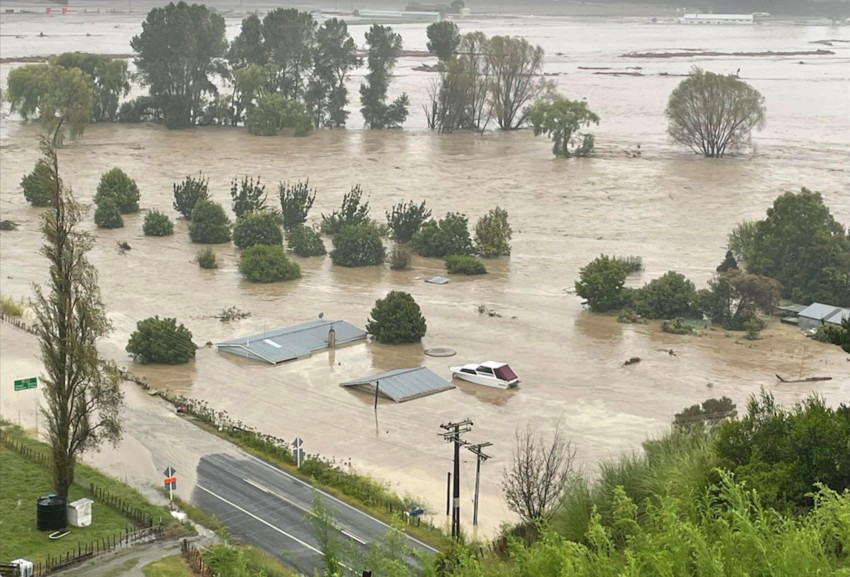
(168, 567)
(22, 481)
(259, 561)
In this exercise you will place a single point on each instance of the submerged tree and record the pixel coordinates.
(405, 219)
(802, 246)
(247, 196)
(384, 48)
(81, 389)
(712, 113)
(334, 57)
(443, 39)
(516, 79)
(178, 53)
(57, 96)
(561, 120)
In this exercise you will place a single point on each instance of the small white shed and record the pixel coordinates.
(79, 512)
(25, 567)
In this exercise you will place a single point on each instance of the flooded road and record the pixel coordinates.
(669, 207)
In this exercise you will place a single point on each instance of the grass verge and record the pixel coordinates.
(22, 481)
(168, 567)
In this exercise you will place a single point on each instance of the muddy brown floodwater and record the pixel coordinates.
(669, 207)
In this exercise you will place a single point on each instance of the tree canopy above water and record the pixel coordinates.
(714, 113)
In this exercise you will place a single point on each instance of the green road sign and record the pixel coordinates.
(24, 384)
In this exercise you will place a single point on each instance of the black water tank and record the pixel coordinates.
(52, 513)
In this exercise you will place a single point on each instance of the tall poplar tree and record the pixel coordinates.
(81, 389)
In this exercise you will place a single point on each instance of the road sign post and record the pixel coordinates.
(24, 385)
(297, 452)
(170, 482)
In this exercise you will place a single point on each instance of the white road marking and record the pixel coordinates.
(306, 511)
(329, 496)
(261, 520)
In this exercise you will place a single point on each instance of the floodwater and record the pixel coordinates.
(668, 206)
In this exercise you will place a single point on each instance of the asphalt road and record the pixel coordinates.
(268, 508)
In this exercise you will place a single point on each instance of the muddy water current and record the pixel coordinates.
(668, 206)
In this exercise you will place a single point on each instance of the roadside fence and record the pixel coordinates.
(140, 518)
(86, 551)
(18, 323)
(195, 558)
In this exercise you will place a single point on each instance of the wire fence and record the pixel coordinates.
(139, 517)
(86, 551)
(18, 323)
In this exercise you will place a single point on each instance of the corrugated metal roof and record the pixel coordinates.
(818, 311)
(403, 384)
(838, 316)
(290, 343)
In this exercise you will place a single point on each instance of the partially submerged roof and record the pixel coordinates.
(792, 308)
(289, 343)
(402, 385)
(825, 313)
(437, 280)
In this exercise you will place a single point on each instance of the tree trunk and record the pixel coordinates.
(63, 469)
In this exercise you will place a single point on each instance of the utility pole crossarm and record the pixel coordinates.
(452, 434)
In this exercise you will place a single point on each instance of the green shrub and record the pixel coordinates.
(38, 184)
(116, 184)
(352, 212)
(396, 319)
(261, 227)
(305, 241)
(157, 224)
(464, 264)
(835, 334)
(405, 219)
(677, 326)
(107, 214)
(206, 258)
(601, 284)
(157, 340)
(188, 193)
(753, 328)
(246, 196)
(399, 258)
(11, 307)
(267, 263)
(358, 245)
(296, 200)
(493, 234)
(448, 236)
(667, 297)
(209, 223)
(631, 263)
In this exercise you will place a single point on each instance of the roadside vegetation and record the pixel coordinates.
(718, 494)
(325, 474)
(11, 307)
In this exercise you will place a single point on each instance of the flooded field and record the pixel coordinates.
(669, 207)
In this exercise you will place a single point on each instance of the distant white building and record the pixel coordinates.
(718, 19)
